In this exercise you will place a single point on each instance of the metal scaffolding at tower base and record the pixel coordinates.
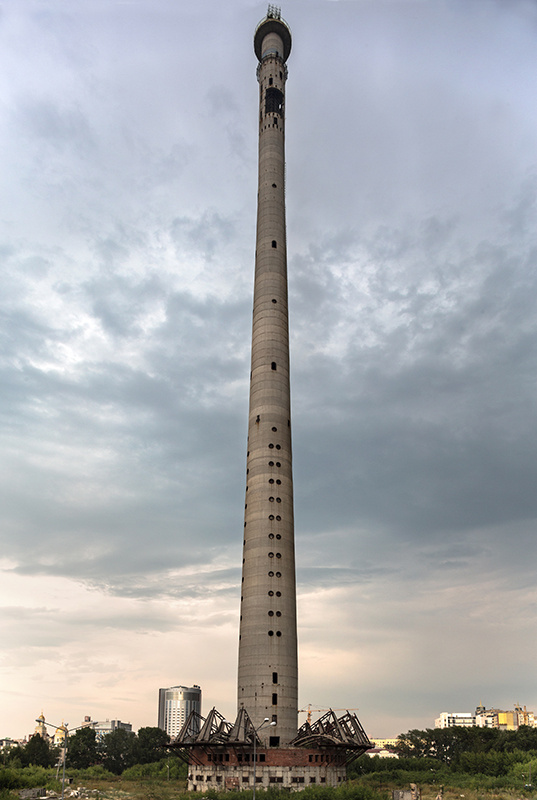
(332, 731)
(214, 733)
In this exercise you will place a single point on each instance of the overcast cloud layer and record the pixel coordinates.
(127, 229)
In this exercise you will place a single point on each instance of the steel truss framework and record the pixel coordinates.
(344, 733)
(213, 734)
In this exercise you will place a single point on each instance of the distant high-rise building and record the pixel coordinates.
(175, 705)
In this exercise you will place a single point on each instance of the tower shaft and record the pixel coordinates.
(268, 673)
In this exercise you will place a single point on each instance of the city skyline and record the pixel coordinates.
(128, 233)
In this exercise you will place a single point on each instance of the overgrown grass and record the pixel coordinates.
(150, 782)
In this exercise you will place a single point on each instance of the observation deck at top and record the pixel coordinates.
(272, 23)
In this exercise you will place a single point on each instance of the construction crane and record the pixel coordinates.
(309, 711)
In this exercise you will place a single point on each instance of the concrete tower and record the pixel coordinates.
(264, 745)
(267, 674)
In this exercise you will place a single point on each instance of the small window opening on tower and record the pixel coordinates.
(274, 430)
(274, 677)
(275, 718)
(270, 81)
(278, 633)
(274, 699)
(274, 186)
(271, 633)
(275, 122)
(274, 741)
(274, 300)
(273, 366)
(274, 243)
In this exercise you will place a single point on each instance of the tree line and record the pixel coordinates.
(115, 752)
(453, 745)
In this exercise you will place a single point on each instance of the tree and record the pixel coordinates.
(82, 749)
(150, 745)
(414, 744)
(38, 752)
(118, 750)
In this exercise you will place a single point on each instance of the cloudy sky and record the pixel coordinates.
(127, 214)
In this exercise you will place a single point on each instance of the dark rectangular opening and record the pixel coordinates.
(273, 101)
(274, 741)
(274, 699)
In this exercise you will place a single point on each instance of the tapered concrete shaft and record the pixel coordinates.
(268, 675)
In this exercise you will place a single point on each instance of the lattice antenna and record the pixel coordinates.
(274, 12)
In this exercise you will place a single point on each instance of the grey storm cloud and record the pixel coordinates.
(127, 235)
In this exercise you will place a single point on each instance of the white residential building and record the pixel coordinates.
(449, 719)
